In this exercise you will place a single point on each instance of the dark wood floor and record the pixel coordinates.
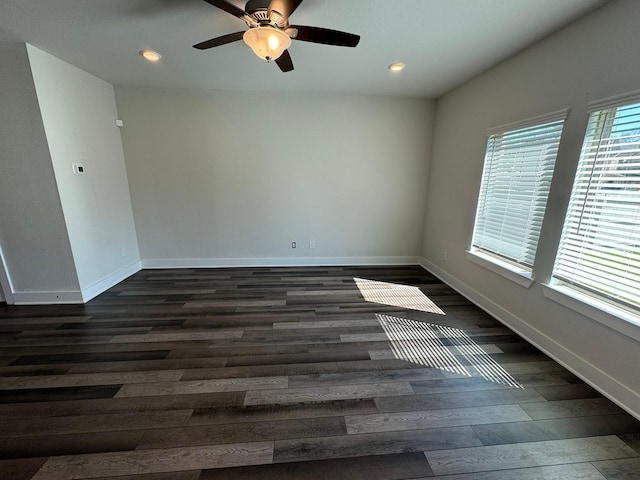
(293, 373)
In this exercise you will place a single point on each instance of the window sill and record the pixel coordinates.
(512, 272)
(616, 318)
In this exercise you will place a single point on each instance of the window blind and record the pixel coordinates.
(515, 185)
(600, 245)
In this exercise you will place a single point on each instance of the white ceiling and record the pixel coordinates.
(443, 42)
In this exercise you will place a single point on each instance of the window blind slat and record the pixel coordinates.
(600, 245)
(519, 164)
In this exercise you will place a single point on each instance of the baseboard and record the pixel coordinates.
(106, 283)
(76, 296)
(47, 298)
(274, 262)
(601, 381)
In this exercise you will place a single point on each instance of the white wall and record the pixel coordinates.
(33, 235)
(222, 178)
(596, 57)
(79, 112)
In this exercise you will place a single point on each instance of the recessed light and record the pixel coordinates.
(397, 67)
(150, 55)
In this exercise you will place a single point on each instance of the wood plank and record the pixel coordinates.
(57, 394)
(174, 402)
(348, 347)
(256, 350)
(625, 469)
(262, 413)
(202, 386)
(235, 303)
(353, 378)
(242, 432)
(573, 471)
(567, 392)
(557, 428)
(167, 291)
(93, 423)
(281, 359)
(572, 408)
(330, 293)
(446, 417)
(396, 466)
(154, 461)
(632, 439)
(534, 454)
(323, 394)
(90, 357)
(55, 445)
(385, 354)
(176, 337)
(188, 475)
(77, 380)
(116, 323)
(374, 444)
(121, 405)
(45, 319)
(283, 337)
(33, 370)
(325, 324)
(82, 331)
(20, 469)
(149, 365)
(294, 369)
(6, 360)
(504, 396)
(451, 384)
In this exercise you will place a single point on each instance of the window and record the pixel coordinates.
(518, 167)
(599, 253)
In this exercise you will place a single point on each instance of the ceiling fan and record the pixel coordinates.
(270, 34)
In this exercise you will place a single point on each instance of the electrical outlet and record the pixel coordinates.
(123, 252)
(312, 244)
(445, 255)
(294, 245)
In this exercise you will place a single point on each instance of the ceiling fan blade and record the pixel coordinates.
(284, 7)
(284, 62)
(216, 42)
(323, 35)
(228, 7)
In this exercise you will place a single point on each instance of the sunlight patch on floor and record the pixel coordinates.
(395, 295)
(421, 343)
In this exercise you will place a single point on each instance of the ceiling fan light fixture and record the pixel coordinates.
(267, 42)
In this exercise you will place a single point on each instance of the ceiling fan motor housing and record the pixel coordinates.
(259, 11)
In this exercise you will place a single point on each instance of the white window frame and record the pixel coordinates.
(520, 273)
(613, 314)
